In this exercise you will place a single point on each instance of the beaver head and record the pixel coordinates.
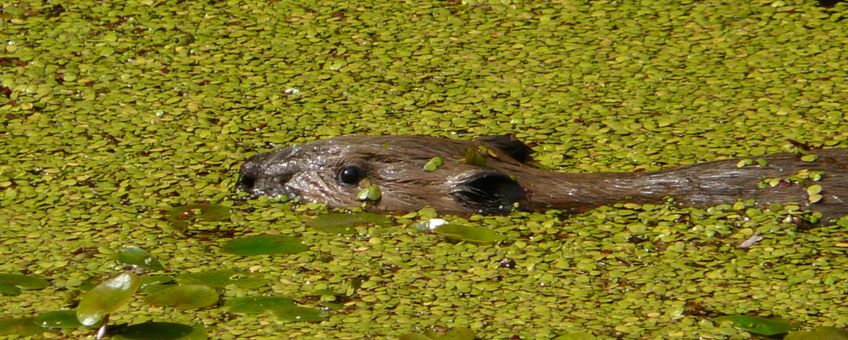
(333, 171)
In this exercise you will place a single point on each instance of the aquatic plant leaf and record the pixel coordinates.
(819, 333)
(458, 333)
(257, 304)
(468, 233)
(160, 330)
(155, 280)
(434, 163)
(137, 257)
(9, 289)
(575, 336)
(24, 281)
(345, 223)
(476, 156)
(184, 296)
(19, 327)
(66, 318)
(298, 313)
(264, 245)
(221, 278)
(369, 193)
(107, 297)
(758, 325)
(181, 216)
(282, 307)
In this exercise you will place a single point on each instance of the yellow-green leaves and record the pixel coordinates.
(434, 163)
(369, 192)
(264, 245)
(107, 297)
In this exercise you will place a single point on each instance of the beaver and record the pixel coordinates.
(494, 174)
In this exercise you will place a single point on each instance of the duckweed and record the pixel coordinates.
(112, 113)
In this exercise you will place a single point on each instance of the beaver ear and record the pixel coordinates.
(508, 145)
(489, 193)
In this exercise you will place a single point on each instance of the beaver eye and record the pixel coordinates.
(351, 174)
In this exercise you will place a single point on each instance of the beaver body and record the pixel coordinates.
(491, 175)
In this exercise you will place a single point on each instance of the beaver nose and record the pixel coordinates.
(251, 171)
(267, 173)
(247, 177)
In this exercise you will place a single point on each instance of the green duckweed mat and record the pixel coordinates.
(112, 113)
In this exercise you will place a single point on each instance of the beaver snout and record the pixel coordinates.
(264, 174)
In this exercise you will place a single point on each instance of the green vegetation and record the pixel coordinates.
(122, 126)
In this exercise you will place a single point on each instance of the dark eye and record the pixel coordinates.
(351, 174)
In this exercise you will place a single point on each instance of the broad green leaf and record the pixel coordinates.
(264, 245)
(758, 325)
(257, 304)
(24, 281)
(148, 281)
(184, 296)
(107, 297)
(282, 307)
(20, 327)
(346, 223)
(66, 318)
(137, 257)
(221, 278)
(9, 289)
(160, 330)
(468, 233)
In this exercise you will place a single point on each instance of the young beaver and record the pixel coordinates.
(490, 175)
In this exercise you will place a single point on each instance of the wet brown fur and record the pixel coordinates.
(395, 165)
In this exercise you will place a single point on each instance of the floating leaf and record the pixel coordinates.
(744, 162)
(154, 280)
(222, 278)
(264, 245)
(369, 193)
(809, 157)
(184, 296)
(18, 282)
(137, 257)
(346, 223)
(819, 333)
(468, 233)
(160, 330)
(475, 156)
(181, 216)
(575, 336)
(9, 289)
(20, 327)
(758, 325)
(434, 163)
(106, 297)
(282, 307)
(257, 304)
(66, 318)
(459, 333)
